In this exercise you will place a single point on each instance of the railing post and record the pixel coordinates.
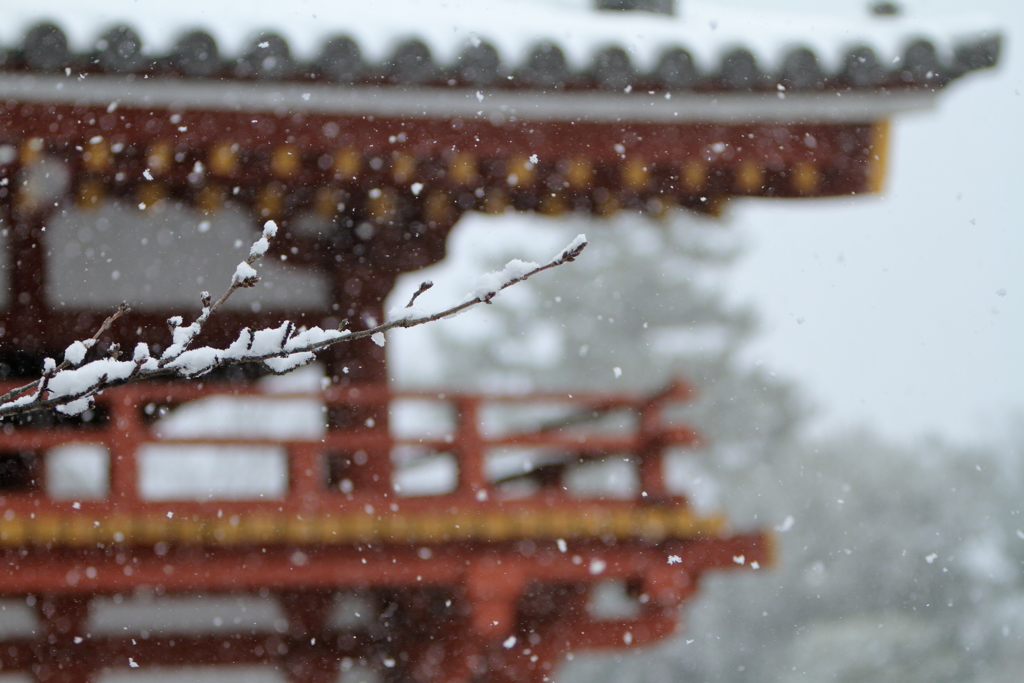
(306, 474)
(362, 410)
(649, 453)
(470, 449)
(127, 433)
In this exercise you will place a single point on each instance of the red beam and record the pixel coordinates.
(599, 142)
(212, 569)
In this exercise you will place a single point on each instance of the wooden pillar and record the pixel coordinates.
(126, 436)
(307, 611)
(26, 276)
(492, 591)
(649, 455)
(307, 475)
(308, 660)
(62, 654)
(472, 479)
(359, 291)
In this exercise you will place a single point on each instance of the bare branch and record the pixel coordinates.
(424, 286)
(122, 309)
(244, 276)
(281, 349)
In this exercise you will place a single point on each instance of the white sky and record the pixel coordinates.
(905, 312)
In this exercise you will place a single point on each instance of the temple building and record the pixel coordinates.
(142, 146)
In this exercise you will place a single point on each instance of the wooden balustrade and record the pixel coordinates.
(496, 558)
(122, 426)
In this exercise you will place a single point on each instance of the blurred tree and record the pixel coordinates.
(895, 562)
(644, 307)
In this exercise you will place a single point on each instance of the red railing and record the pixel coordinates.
(515, 566)
(349, 468)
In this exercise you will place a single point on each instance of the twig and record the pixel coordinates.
(281, 349)
(243, 277)
(122, 309)
(568, 255)
(424, 286)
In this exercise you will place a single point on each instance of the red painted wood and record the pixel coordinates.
(496, 562)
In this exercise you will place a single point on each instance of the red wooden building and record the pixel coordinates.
(133, 137)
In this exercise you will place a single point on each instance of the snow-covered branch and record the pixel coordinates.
(70, 386)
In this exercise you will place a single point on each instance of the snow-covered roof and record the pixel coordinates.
(522, 44)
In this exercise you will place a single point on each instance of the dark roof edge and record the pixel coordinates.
(195, 57)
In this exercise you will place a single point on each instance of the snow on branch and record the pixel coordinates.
(70, 386)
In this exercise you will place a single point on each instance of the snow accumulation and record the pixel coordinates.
(79, 380)
(490, 284)
(244, 272)
(141, 352)
(258, 344)
(75, 353)
(311, 336)
(259, 247)
(282, 349)
(579, 241)
(515, 27)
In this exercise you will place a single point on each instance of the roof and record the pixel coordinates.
(493, 44)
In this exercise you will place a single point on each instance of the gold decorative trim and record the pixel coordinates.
(878, 154)
(96, 156)
(285, 161)
(494, 526)
(749, 177)
(806, 178)
(635, 174)
(222, 159)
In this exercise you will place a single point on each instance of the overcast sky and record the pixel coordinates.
(906, 311)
